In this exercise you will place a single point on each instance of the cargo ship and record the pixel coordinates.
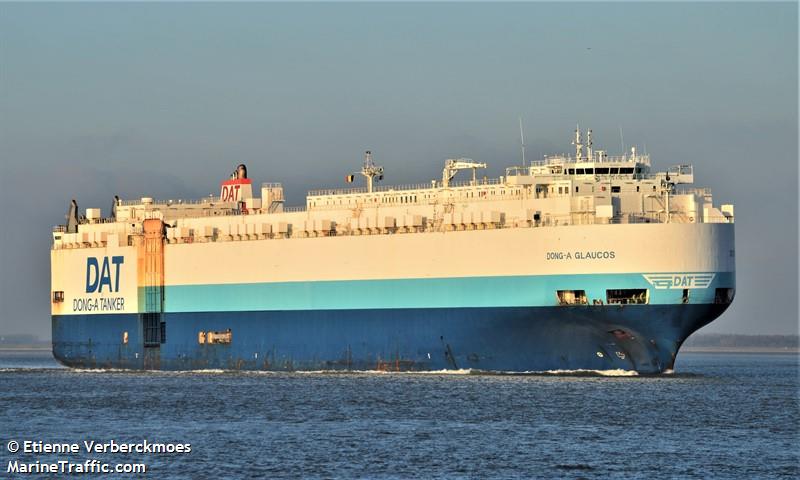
(579, 261)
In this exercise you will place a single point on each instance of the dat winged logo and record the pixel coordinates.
(664, 281)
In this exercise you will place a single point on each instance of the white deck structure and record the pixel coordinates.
(559, 191)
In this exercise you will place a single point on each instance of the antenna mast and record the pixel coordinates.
(370, 170)
(522, 140)
(578, 144)
(589, 152)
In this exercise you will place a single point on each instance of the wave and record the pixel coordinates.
(463, 371)
(454, 372)
(618, 372)
(101, 370)
(32, 369)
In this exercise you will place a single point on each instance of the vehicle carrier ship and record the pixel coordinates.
(584, 261)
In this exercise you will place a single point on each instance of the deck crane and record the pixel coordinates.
(452, 166)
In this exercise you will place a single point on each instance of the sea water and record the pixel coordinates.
(715, 416)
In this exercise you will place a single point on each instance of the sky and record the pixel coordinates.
(164, 100)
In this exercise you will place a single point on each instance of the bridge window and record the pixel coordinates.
(572, 171)
(579, 171)
(571, 297)
(615, 189)
(627, 296)
(626, 171)
(590, 171)
(602, 171)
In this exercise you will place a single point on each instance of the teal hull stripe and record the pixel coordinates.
(509, 291)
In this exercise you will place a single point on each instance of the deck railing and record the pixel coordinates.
(574, 219)
(565, 159)
(170, 202)
(704, 192)
(403, 188)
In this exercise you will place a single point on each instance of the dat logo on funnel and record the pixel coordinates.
(100, 275)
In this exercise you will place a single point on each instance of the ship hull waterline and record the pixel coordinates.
(640, 338)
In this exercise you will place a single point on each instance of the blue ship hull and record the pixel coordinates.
(643, 338)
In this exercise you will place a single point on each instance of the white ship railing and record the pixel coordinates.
(434, 227)
(402, 188)
(704, 192)
(180, 201)
(478, 183)
(294, 209)
(560, 160)
(523, 171)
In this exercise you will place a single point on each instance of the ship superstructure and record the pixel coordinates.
(573, 262)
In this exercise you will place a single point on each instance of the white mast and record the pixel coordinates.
(578, 144)
(589, 152)
(522, 140)
(370, 170)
